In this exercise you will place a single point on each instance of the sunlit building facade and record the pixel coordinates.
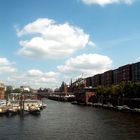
(2, 91)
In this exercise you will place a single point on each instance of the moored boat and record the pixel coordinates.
(3, 109)
(34, 110)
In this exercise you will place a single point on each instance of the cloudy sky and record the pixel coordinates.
(45, 42)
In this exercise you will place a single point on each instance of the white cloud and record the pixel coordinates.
(105, 2)
(138, 59)
(90, 43)
(4, 61)
(7, 69)
(38, 26)
(88, 64)
(6, 66)
(52, 40)
(39, 73)
(35, 78)
(34, 73)
(51, 74)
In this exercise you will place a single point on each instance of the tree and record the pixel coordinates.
(17, 90)
(9, 90)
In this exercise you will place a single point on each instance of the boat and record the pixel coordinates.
(98, 104)
(136, 110)
(34, 110)
(26, 106)
(74, 102)
(21, 106)
(108, 105)
(3, 107)
(3, 110)
(124, 108)
(33, 106)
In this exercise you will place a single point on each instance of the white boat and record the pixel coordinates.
(123, 108)
(33, 110)
(33, 106)
(29, 105)
(136, 110)
(98, 104)
(3, 109)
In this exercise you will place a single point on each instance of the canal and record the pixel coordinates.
(64, 121)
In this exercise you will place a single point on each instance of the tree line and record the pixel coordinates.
(125, 93)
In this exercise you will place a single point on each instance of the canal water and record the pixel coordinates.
(64, 121)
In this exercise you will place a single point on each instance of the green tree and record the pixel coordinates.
(17, 90)
(9, 90)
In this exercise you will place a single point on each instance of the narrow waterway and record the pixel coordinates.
(64, 121)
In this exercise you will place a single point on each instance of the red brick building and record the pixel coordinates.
(130, 72)
(125, 73)
(96, 80)
(107, 78)
(116, 76)
(88, 81)
(83, 96)
(136, 72)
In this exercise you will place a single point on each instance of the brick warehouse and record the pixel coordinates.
(129, 72)
(96, 80)
(107, 78)
(136, 72)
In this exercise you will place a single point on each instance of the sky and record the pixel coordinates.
(45, 42)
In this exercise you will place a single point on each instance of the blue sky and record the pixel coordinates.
(45, 42)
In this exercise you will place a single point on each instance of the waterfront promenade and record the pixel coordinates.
(64, 121)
